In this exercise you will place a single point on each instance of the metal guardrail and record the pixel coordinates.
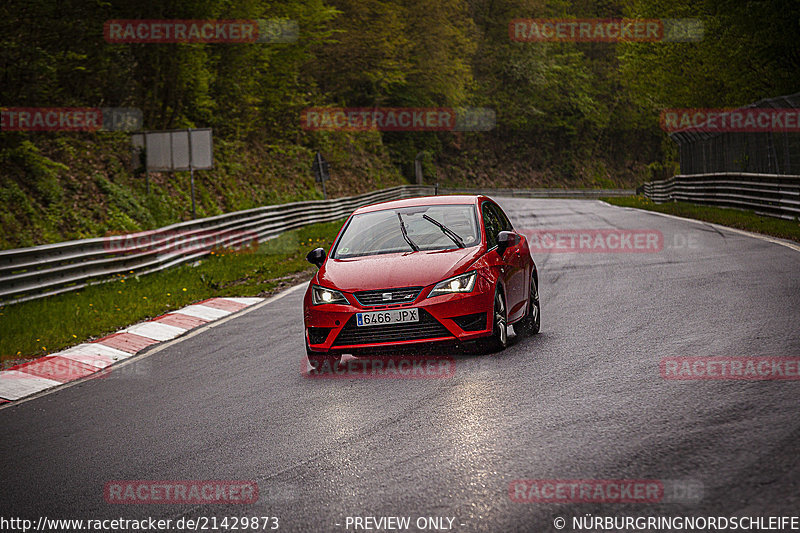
(774, 195)
(39, 271)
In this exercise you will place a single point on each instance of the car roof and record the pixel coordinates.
(463, 199)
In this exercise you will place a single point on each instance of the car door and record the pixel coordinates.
(516, 279)
(493, 225)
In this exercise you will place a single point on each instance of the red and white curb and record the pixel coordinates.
(86, 359)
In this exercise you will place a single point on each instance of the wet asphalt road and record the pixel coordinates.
(584, 399)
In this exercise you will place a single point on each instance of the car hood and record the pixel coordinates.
(387, 271)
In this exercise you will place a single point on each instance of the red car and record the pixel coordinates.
(422, 270)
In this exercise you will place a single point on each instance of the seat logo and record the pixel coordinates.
(387, 296)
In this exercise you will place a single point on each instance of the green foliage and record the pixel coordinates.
(749, 51)
(568, 114)
(122, 202)
(99, 193)
(42, 172)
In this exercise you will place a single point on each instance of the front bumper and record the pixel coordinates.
(447, 318)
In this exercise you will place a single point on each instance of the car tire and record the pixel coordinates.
(531, 323)
(322, 363)
(499, 339)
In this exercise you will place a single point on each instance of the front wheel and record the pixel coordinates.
(531, 323)
(499, 338)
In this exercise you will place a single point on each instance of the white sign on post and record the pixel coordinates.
(189, 149)
(176, 149)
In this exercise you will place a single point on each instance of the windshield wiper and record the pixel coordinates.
(405, 234)
(447, 231)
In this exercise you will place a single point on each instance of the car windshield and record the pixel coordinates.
(381, 232)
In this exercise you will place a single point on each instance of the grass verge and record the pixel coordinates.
(35, 328)
(735, 218)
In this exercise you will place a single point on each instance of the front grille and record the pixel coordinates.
(398, 296)
(427, 328)
(473, 322)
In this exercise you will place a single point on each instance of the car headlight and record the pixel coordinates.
(321, 295)
(462, 283)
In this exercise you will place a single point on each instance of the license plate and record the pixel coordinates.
(395, 316)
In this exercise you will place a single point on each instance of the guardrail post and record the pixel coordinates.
(191, 177)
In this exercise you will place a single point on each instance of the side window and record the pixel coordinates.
(492, 224)
(505, 224)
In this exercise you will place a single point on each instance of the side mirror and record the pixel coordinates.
(316, 256)
(506, 239)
